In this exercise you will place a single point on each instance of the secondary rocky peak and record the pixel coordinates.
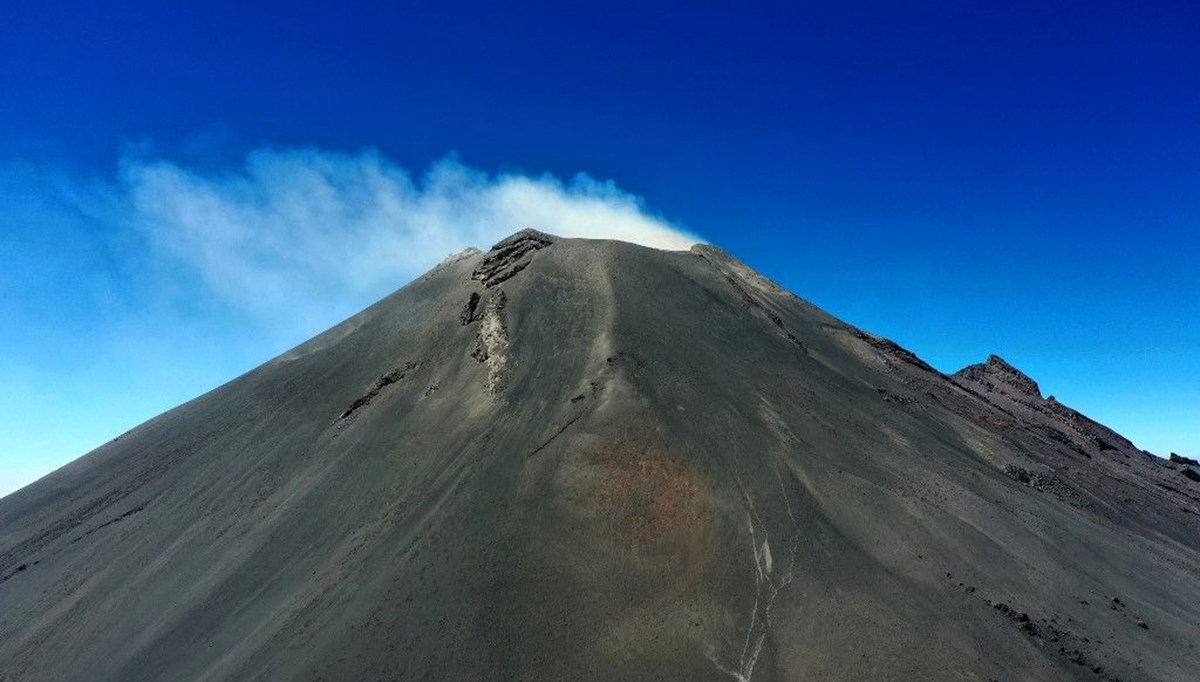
(997, 370)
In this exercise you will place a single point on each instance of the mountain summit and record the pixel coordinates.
(571, 459)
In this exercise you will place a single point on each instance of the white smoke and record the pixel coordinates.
(301, 225)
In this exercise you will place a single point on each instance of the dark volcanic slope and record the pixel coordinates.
(569, 459)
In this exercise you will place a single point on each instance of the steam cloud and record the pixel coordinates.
(297, 225)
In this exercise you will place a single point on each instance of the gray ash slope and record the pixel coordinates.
(573, 459)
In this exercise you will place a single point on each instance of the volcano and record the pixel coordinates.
(567, 459)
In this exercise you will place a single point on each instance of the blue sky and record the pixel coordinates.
(187, 190)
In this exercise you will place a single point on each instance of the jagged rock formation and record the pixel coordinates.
(997, 376)
(1014, 391)
(571, 459)
(1180, 459)
(510, 256)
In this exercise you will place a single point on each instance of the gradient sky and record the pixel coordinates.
(964, 178)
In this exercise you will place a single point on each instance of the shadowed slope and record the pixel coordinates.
(571, 459)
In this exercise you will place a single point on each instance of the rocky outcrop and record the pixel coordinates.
(1016, 393)
(997, 375)
(392, 377)
(1096, 434)
(894, 350)
(1048, 484)
(470, 312)
(491, 342)
(510, 256)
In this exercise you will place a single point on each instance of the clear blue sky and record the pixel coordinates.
(966, 178)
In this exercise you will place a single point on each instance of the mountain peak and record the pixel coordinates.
(527, 235)
(510, 256)
(590, 460)
(998, 370)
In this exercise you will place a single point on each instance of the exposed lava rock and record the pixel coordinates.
(1050, 484)
(1094, 433)
(893, 349)
(491, 342)
(392, 377)
(996, 371)
(1180, 459)
(994, 421)
(1071, 645)
(510, 256)
(470, 309)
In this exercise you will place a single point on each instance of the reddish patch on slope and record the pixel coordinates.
(652, 497)
(998, 423)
